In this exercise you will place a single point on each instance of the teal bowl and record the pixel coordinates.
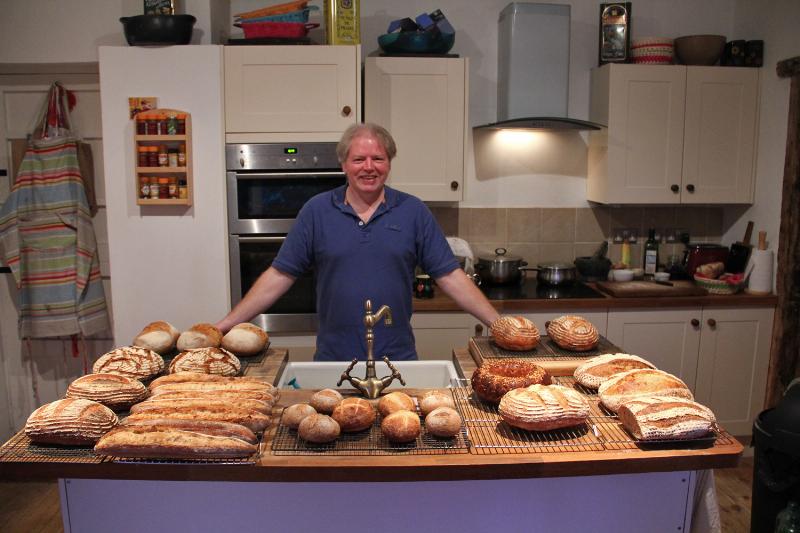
(416, 43)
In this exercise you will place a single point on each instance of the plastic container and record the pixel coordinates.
(292, 16)
(276, 30)
(273, 10)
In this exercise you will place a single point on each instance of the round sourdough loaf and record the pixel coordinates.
(544, 408)
(494, 378)
(625, 386)
(206, 361)
(572, 332)
(158, 336)
(354, 414)
(200, 335)
(295, 413)
(113, 391)
(598, 369)
(325, 401)
(401, 426)
(395, 401)
(130, 361)
(319, 429)
(443, 422)
(433, 399)
(245, 339)
(71, 421)
(515, 333)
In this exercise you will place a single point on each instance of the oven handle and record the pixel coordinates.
(266, 175)
(241, 238)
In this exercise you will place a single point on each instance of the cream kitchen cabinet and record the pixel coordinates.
(437, 334)
(283, 93)
(422, 101)
(721, 353)
(676, 134)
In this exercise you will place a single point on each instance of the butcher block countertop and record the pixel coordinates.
(468, 464)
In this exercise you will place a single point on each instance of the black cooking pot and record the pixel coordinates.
(143, 30)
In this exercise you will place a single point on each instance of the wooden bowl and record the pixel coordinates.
(699, 49)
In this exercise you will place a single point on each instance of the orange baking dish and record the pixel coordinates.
(276, 30)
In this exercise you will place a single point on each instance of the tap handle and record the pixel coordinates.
(346, 374)
(395, 372)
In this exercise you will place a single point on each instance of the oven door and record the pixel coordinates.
(295, 310)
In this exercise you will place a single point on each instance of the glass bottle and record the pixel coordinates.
(144, 187)
(181, 123)
(152, 156)
(163, 188)
(788, 520)
(155, 189)
(151, 124)
(650, 261)
(173, 157)
(141, 125)
(183, 190)
(172, 124)
(173, 187)
(142, 156)
(182, 155)
(163, 156)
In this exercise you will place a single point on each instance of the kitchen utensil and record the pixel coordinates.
(759, 270)
(661, 276)
(702, 253)
(555, 273)
(500, 268)
(593, 268)
(144, 30)
(699, 49)
(740, 252)
(622, 274)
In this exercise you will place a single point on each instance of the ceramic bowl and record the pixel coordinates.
(623, 274)
(699, 49)
(661, 276)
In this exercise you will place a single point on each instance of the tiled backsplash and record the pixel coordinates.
(562, 234)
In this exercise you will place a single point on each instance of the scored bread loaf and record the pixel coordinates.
(598, 369)
(206, 361)
(665, 417)
(318, 428)
(206, 427)
(245, 339)
(325, 401)
(395, 401)
(295, 413)
(515, 333)
(158, 402)
(71, 421)
(354, 414)
(443, 422)
(625, 386)
(572, 332)
(401, 426)
(200, 335)
(131, 361)
(167, 442)
(544, 408)
(249, 418)
(434, 399)
(159, 336)
(113, 391)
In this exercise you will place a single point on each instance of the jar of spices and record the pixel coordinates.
(155, 188)
(151, 124)
(183, 190)
(181, 124)
(163, 157)
(172, 124)
(163, 188)
(152, 156)
(173, 157)
(144, 186)
(173, 187)
(182, 155)
(142, 155)
(141, 125)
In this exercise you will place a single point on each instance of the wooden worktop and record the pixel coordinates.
(397, 467)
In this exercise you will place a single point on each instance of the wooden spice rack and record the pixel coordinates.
(178, 172)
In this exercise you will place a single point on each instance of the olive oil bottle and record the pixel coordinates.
(650, 260)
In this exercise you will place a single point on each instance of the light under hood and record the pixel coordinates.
(533, 69)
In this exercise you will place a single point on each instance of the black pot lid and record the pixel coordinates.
(782, 424)
(501, 256)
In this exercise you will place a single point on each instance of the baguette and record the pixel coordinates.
(252, 420)
(196, 386)
(200, 336)
(199, 377)
(158, 402)
(160, 337)
(229, 395)
(206, 427)
(170, 443)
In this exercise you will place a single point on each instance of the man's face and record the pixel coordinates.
(367, 165)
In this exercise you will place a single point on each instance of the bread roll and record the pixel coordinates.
(249, 418)
(325, 401)
(160, 337)
(245, 339)
(666, 417)
(72, 421)
(626, 386)
(572, 332)
(166, 442)
(434, 399)
(206, 427)
(395, 401)
(130, 361)
(206, 361)
(544, 407)
(401, 426)
(354, 414)
(200, 336)
(318, 429)
(158, 402)
(598, 369)
(295, 413)
(113, 391)
(494, 378)
(443, 422)
(515, 333)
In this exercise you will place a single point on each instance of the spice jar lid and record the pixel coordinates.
(163, 180)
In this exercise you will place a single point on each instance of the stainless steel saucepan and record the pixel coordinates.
(502, 269)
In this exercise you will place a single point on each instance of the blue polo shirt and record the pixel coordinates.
(355, 261)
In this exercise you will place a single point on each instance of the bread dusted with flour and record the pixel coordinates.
(245, 339)
(206, 361)
(130, 361)
(166, 441)
(515, 333)
(201, 335)
(212, 383)
(544, 408)
(572, 332)
(113, 391)
(354, 414)
(666, 418)
(160, 336)
(71, 421)
(598, 369)
(626, 386)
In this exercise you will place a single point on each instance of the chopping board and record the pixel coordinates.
(638, 289)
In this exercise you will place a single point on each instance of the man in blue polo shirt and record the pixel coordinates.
(364, 240)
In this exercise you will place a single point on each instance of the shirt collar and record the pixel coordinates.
(390, 198)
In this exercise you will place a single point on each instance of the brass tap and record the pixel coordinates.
(371, 386)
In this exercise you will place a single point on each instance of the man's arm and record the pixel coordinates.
(269, 286)
(467, 295)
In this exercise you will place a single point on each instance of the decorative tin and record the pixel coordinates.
(615, 32)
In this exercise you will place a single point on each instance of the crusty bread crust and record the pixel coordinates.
(167, 442)
(494, 378)
(572, 332)
(71, 421)
(113, 391)
(401, 426)
(395, 401)
(206, 361)
(598, 369)
(202, 335)
(515, 333)
(354, 414)
(245, 339)
(544, 408)
(158, 402)
(159, 336)
(249, 418)
(625, 386)
(318, 428)
(207, 427)
(666, 417)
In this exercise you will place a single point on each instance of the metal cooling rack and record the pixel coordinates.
(20, 449)
(546, 350)
(604, 346)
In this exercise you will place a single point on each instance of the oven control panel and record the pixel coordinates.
(264, 157)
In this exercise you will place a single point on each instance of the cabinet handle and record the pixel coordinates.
(690, 188)
(241, 161)
(695, 322)
(674, 188)
(712, 322)
(346, 110)
(454, 185)
(479, 330)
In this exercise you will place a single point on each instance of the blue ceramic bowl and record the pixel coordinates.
(416, 42)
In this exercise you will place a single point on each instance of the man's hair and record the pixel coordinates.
(367, 128)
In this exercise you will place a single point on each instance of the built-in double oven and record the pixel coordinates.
(267, 184)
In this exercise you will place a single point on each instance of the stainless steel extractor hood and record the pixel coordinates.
(533, 69)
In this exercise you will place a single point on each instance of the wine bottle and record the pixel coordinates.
(650, 261)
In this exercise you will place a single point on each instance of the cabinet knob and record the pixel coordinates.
(674, 188)
(690, 188)
(346, 111)
(712, 322)
(695, 322)
(479, 330)
(454, 185)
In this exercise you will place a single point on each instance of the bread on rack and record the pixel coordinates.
(249, 418)
(318, 428)
(626, 386)
(206, 361)
(395, 401)
(113, 391)
(159, 402)
(666, 418)
(401, 426)
(495, 377)
(295, 413)
(598, 369)
(574, 333)
(544, 408)
(443, 422)
(515, 333)
(164, 441)
(227, 395)
(195, 381)
(158, 336)
(245, 339)
(71, 421)
(325, 401)
(207, 427)
(200, 335)
(434, 399)
(131, 361)
(354, 414)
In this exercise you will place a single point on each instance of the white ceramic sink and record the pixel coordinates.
(417, 374)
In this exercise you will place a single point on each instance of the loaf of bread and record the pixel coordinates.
(598, 369)
(113, 391)
(354, 414)
(249, 418)
(295, 413)
(515, 333)
(193, 381)
(572, 332)
(245, 339)
(544, 408)
(395, 401)
(130, 361)
(206, 361)
(711, 270)
(160, 337)
(71, 421)
(401, 426)
(443, 422)
(159, 402)
(434, 399)
(325, 401)
(318, 428)
(200, 336)
(495, 377)
(167, 442)
(665, 418)
(228, 395)
(626, 386)
(206, 427)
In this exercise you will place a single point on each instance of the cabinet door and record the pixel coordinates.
(734, 359)
(422, 102)
(720, 135)
(289, 89)
(666, 338)
(438, 334)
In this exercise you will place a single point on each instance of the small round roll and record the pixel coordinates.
(443, 422)
(295, 413)
(401, 426)
(245, 339)
(319, 429)
(354, 414)
(433, 399)
(395, 401)
(325, 401)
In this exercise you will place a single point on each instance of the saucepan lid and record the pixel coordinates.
(501, 255)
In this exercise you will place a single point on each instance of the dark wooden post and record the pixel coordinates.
(786, 330)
